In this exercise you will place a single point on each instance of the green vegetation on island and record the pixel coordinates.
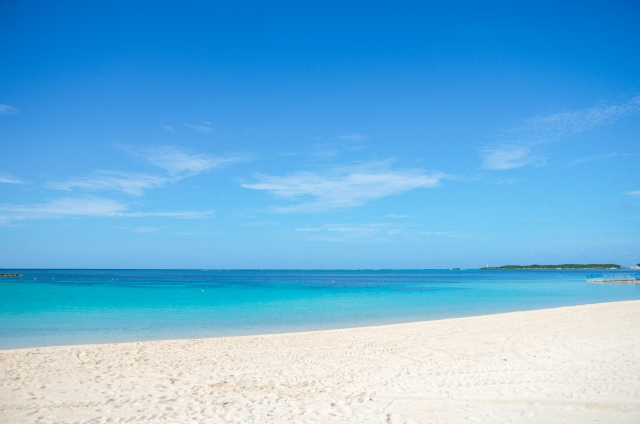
(563, 266)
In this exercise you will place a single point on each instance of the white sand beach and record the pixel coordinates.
(572, 364)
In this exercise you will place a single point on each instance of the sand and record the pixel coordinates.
(572, 364)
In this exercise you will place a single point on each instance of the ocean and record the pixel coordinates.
(59, 307)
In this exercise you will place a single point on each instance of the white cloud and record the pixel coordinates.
(350, 232)
(175, 162)
(353, 137)
(9, 110)
(200, 128)
(633, 193)
(593, 158)
(176, 214)
(70, 207)
(372, 232)
(509, 157)
(345, 232)
(515, 147)
(600, 157)
(582, 120)
(133, 184)
(6, 178)
(509, 181)
(344, 187)
(181, 164)
(360, 230)
(64, 207)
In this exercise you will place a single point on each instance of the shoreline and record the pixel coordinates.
(302, 332)
(575, 363)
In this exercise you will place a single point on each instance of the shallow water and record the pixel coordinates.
(55, 307)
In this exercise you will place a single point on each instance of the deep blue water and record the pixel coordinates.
(53, 307)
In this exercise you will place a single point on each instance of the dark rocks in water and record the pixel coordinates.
(10, 275)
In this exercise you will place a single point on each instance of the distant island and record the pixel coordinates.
(563, 266)
(10, 275)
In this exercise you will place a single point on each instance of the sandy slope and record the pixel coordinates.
(574, 364)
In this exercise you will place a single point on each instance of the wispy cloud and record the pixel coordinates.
(380, 231)
(63, 207)
(353, 137)
(559, 124)
(592, 158)
(325, 148)
(499, 158)
(360, 229)
(344, 187)
(9, 110)
(176, 214)
(600, 157)
(350, 232)
(200, 128)
(75, 207)
(6, 178)
(633, 193)
(259, 223)
(515, 148)
(129, 183)
(508, 181)
(177, 164)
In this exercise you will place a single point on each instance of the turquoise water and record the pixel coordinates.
(54, 307)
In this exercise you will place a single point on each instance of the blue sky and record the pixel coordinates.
(318, 134)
